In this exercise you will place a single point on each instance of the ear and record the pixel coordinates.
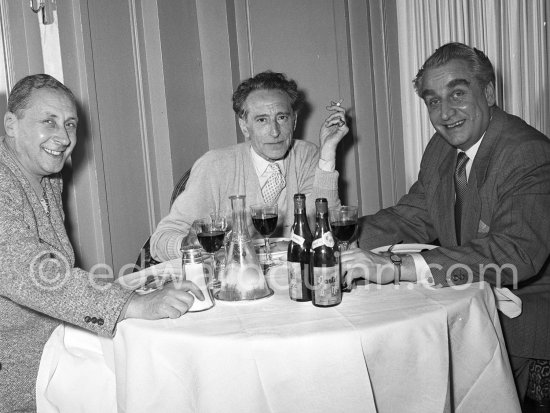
(295, 121)
(490, 94)
(244, 128)
(10, 124)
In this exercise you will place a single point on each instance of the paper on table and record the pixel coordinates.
(165, 271)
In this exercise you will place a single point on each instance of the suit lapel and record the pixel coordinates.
(478, 174)
(48, 229)
(445, 199)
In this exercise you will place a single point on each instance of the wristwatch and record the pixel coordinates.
(396, 259)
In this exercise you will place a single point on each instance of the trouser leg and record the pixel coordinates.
(520, 369)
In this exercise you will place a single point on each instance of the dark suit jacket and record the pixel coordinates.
(506, 223)
(32, 301)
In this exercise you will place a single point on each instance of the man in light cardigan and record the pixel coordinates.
(267, 108)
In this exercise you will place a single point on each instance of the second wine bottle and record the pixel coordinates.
(326, 270)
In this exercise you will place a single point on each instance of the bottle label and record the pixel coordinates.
(326, 239)
(297, 239)
(326, 286)
(317, 243)
(295, 281)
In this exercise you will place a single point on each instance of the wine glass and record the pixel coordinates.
(343, 223)
(264, 218)
(210, 233)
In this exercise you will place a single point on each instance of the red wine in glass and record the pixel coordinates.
(264, 218)
(343, 230)
(211, 241)
(343, 223)
(265, 224)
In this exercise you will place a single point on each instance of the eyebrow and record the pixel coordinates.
(264, 115)
(53, 115)
(453, 83)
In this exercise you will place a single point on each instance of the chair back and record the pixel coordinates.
(144, 259)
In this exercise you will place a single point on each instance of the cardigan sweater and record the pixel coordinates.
(39, 285)
(221, 173)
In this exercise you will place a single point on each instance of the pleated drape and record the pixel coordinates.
(513, 33)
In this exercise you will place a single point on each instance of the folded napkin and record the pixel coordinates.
(507, 302)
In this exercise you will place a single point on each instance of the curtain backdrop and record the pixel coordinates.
(513, 33)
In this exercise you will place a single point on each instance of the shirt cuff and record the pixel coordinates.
(122, 314)
(327, 166)
(423, 272)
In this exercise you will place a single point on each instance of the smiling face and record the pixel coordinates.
(459, 107)
(44, 135)
(269, 123)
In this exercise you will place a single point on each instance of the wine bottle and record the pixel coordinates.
(327, 291)
(299, 268)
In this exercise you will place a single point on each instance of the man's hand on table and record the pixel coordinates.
(171, 301)
(376, 268)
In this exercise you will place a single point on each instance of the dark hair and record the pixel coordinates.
(265, 81)
(479, 63)
(22, 91)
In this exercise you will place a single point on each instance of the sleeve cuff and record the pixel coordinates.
(423, 272)
(327, 166)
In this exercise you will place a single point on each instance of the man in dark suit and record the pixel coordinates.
(489, 212)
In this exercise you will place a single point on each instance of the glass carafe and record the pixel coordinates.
(243, 278)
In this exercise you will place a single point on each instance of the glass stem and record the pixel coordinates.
(267, 250)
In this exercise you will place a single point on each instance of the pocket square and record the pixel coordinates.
(483, 227)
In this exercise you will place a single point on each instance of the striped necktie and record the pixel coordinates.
(461, 184)
(274, 184)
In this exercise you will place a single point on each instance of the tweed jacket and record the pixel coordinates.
(230, 171)
(39, 285)
(506, 223)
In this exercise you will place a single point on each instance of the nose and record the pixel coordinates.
(63, 137)
(275, 129)
(447, 110)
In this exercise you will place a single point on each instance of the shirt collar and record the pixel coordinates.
(472, 151)
(261, 164)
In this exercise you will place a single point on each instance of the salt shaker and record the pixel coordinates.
(194, 270)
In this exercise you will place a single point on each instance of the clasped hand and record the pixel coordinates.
(172, 300)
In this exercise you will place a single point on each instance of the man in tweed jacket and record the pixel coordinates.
(505, 227)
(39, 285)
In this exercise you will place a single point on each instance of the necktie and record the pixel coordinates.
(274, 184)
(461, 184)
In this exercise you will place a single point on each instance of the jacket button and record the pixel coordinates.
(100, 321)
(87, 318)
(94, 320)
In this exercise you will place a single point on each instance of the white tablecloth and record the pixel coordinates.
(383, 349)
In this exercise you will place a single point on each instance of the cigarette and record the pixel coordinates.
(339, 102)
